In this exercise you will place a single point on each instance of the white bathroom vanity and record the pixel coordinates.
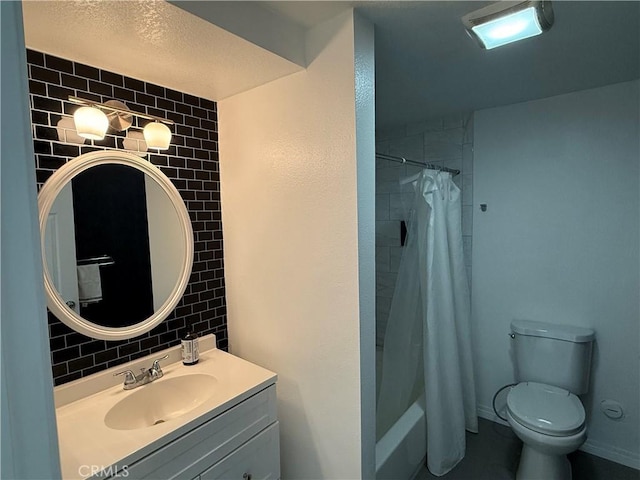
(216, 419)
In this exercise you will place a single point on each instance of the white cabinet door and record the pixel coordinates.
(258, 459)
(195, 451)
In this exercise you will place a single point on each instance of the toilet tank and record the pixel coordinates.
(558, 355)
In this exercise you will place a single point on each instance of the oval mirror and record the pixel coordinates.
(117, 245)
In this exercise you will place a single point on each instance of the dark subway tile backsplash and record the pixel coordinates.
(112, 78)
(59, 64)
(192, 165)
(86, 71)
(72, 81)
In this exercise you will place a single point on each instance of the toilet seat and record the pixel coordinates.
(546, 409)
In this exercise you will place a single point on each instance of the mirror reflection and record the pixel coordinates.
(114, 245)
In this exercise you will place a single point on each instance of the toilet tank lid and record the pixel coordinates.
(551, 330)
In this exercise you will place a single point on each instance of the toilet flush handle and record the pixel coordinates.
(512, 335)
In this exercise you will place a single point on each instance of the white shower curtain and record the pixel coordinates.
(427, 346)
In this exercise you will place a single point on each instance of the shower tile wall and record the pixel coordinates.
(443, 141)
(192, 165)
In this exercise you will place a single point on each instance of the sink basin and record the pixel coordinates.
(161, 401)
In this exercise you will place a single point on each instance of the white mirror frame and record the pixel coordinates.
(47, 197)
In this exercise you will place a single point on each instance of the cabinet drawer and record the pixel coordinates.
(190, 454)
(258, 459)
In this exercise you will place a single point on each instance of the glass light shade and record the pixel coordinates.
(134, 142)
(510, 28)
(67, 131)
(157, 135)
(91, 123)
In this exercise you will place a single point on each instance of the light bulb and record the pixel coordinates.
(157, 135)
(509, 28)
(91, 123)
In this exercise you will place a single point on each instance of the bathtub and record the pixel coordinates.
(402, 451)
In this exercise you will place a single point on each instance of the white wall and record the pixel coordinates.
(559, 242)
(29, 437)
(289, 177)
(365, 150)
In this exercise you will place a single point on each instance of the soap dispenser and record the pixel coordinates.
(190, 353)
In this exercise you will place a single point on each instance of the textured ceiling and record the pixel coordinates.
(154, 41)
(426, 66)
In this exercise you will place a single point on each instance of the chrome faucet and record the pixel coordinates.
(147, 375)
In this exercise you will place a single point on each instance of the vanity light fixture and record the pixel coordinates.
(157, 135)
(91, 123)
(67, 133)
(134, 143)
(508, 21)
(93, 119)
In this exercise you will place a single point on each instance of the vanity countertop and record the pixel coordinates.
(86, 441)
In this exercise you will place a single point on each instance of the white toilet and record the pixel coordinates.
(552, 365)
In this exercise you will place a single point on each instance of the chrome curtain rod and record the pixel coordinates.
(393, 158)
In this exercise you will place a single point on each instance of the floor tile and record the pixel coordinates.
(493, 454)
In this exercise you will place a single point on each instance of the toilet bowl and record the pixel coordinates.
(550, 421)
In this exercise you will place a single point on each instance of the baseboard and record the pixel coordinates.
(608, 452)
(488, 414)
(618, 455)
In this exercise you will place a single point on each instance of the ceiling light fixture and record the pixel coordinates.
(505, 22)
(93, 119)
